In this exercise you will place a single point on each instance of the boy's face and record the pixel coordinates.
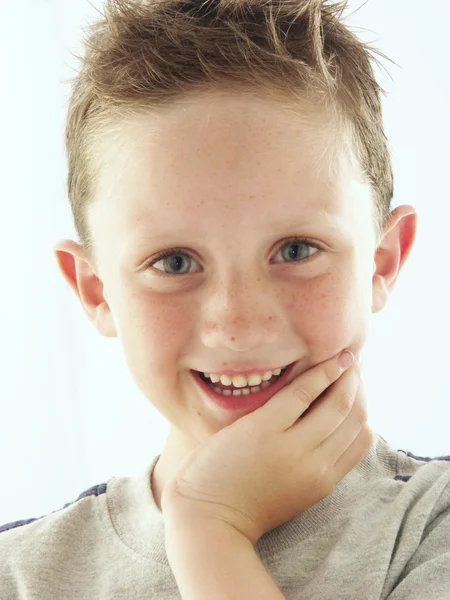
(231, 182)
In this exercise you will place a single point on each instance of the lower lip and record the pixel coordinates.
(243, 403)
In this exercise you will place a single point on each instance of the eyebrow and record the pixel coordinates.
(328, 220)
(321, 218)
(321, 222)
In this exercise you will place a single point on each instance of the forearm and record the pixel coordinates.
(211, 560)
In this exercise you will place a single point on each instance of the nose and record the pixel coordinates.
(241, 317)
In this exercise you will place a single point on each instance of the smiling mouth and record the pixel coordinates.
(231, 389)
(243, 399)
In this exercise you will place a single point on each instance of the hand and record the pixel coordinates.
(275, 462)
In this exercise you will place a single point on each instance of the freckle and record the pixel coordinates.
(232, 339)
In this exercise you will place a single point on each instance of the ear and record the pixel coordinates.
(80, 275)
(398, 238)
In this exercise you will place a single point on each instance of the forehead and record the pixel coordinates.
(226, 151)
(226, 130)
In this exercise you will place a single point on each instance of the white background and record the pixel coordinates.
(70, 413)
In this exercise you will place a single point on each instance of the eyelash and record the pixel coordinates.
(178, 251)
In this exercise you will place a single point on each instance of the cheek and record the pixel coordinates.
(155, 330)
(328, 312)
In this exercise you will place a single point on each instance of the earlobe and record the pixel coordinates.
(104, 321)
(87, 286)
(380, 293)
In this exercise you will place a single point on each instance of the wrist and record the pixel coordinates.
(211, 559)
(183, 524)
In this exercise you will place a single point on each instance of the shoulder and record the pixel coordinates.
(30, 525)
(420, 552)
(40, 539)
(426, 483)
(423, 471)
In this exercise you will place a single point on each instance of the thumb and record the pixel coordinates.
(287, 405)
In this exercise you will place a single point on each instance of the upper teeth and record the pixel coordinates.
(241, 381)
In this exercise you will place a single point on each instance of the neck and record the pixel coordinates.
(176, 448)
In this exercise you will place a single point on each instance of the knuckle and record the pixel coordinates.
(367, 436)
(344, 402)
(303, 397)
(330, 374)
(363, 415)
(327, 483)
(360, 409)
(322, 483)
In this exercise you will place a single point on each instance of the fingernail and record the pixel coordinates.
(345, 359)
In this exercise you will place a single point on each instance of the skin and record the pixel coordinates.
(225, 178)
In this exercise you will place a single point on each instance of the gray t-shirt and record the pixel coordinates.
(383, 532)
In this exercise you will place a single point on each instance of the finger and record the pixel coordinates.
(286, 407)
(327, 415)
(328, 392)
(337, 443)
(347, 445)
(354, 454)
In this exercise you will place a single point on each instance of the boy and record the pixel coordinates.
(223, 133)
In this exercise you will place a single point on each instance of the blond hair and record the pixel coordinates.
(143, 55)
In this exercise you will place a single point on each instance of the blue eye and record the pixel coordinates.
(176, 256)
